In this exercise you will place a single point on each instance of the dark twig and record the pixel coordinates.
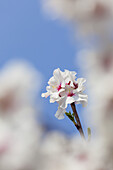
(79, 127)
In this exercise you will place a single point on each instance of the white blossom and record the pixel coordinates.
(64, 89)
(19, 133)
(60, 152)
(18, 85)
(96, 64)
(91, 15)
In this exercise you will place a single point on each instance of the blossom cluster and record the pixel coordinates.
(64, 89)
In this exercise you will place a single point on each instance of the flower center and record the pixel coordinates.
(70, 94)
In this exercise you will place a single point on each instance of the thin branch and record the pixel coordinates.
(79, 126)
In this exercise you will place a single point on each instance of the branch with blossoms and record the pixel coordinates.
(65, 89)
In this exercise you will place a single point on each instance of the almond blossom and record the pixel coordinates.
(64, 89)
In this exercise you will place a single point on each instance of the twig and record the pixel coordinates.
(79, 127)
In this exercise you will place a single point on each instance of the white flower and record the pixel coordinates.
(64, 89)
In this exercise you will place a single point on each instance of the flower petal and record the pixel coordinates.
(54, 97)
(60, 113)
(83, 99)
(62, 102)
(45, 94)
(57, 75)
(52, 82)
(80, 82)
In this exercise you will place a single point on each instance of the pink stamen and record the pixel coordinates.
(60, 95)
(75, 85)
(68, 83)
(59, 87)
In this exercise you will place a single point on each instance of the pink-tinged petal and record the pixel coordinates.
(60, 113)
(45, 94)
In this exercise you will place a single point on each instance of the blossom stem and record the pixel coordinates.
(79, 127)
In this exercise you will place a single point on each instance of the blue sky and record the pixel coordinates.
(27, 33)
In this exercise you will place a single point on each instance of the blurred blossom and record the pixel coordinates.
(59, 152)
(19, 141)
(19, 83)
(19, 132)
(102, 112)
(104, 103)
(96, 63)
(97, 66)
(93, 16)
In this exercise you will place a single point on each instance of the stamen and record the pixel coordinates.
(68, 83)
(59, 87)
(75, 85)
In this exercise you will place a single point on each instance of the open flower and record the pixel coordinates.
(64, 89)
